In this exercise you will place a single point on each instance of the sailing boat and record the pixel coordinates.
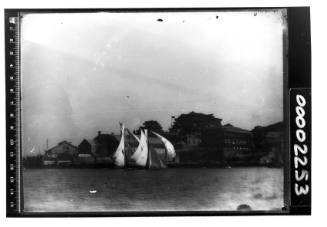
(140, 156)
(145, 155)
(119, 155)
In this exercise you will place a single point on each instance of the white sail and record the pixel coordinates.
(140, 156)
(135, 136)
(168, 145)
(132, 134)
(119, 155)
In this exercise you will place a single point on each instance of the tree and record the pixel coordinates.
(194, 122)
(152, 125)
(105, 144)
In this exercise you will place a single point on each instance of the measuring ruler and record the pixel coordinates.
(13, 114)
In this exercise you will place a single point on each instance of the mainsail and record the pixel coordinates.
(119, 155)
(168, 145)
(140, 156)
(135, 136)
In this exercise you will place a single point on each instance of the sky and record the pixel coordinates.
(86, 72)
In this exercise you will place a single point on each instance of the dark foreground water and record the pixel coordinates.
(186, 189)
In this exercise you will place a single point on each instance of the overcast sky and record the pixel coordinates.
(86, 72)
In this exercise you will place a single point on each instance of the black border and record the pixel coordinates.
(299, 79)
(298, 71)
(299, 47)
(12, 121)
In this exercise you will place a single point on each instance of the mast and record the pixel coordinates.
(125, 154)
(166, 154)
(149, 150)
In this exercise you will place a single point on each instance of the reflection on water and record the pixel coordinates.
(183, 189)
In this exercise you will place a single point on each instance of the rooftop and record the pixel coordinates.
(231, 128)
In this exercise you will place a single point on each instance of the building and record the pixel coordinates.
(273, 141)
(193, 139)
(62, 154)
(269, 143)
(228, 144)
(273, 148)
(237, 143)
(189, 150)
(86, 154)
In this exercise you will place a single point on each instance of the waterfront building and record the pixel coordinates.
(273, 148)
(228, 144)
(269, 143)
(237, 143)
(193, 139)
(86, 155)
(62, 154)
(273, 141)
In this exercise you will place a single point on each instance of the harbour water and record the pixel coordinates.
(175, 189)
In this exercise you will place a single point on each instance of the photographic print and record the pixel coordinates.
(153, 111)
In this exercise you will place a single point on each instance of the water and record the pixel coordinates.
(182, 189)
